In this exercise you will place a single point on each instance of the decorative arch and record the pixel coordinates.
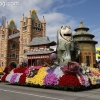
(13, 64)
(14, 46)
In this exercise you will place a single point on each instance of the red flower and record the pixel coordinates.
(69, 80)
(3, 79)
(8, 69)
(22, 79)
(72, 67)
(19, 70)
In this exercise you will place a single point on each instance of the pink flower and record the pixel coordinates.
(72, 67)
(50, 79)
(13, 78)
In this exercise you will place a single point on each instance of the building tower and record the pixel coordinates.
(44, 26)
(86, 45)
(4, 54)
(3, 21)
(2, 45)
(30, 27)
(22, 27)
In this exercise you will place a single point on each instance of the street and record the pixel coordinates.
(14, 92)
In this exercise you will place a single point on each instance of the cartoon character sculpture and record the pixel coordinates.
(64, 45)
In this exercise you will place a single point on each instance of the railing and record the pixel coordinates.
(40, 49)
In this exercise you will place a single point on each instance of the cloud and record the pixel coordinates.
(96, 32)
(50, 10)
(68, 3)
(24, 6)
(43, 7)
(56, 20)
(53, 18)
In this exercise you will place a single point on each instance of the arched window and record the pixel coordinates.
(24, 51)
(17, 56)
(24, 23)
(35, 24)
(39, 25)
(25, 28)
(13, 55)
(13, 46)
(3, 35)
(9, 55)
(13, 64)
(2, 64)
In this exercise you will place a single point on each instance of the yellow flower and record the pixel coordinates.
(39, 78)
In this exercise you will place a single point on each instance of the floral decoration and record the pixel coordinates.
(38, 79)
(3, 79)
(69, 80)
(22, 79)
(50, 79)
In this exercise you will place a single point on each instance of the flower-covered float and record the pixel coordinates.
(73, 76)
(59, 71)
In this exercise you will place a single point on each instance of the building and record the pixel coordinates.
(86, 45)
(12, 40)
(98, 53)
(39, 50)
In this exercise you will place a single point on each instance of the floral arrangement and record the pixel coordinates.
(58, 72)
(8, 77)
(22, 79)
(69, 76)
(13, 78)
(69, 80)
(38, 79)
(83, 79)
(20, 70)
(50, 79)
(33, 70)
(3, 79)
(95, 71)
(50, 70)
(49, 63)
(72, 67)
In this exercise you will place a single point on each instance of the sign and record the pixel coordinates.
(38, 57)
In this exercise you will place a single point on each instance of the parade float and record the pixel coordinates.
(70, 67)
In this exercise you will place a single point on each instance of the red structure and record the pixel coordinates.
(40, 50)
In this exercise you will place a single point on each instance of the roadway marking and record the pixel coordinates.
(30, 94)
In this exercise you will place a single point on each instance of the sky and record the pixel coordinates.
(56, 13)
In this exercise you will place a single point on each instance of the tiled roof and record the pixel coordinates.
(12, 25)
(14, 36)
(81, 26)
(40, 41)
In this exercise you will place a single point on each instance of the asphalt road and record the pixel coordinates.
(13, 92)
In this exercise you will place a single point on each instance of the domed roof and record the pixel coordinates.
(34, 15)
(12, 21)
(33, 11)
(81, 26)
(12, 24)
